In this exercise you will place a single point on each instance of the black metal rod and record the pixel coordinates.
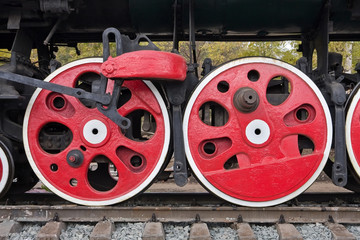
(75, 92)
(175, 36)
(53, 30)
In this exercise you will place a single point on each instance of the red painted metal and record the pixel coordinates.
(274, 168)
(146, 64)
(73, 114)
(355, 137)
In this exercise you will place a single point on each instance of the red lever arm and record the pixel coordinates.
(145, 64)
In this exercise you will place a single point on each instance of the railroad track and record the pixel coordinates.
(199, 214)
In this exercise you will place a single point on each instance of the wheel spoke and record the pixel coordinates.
(139, 98)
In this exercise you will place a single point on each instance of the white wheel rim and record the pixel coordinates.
(5, 169)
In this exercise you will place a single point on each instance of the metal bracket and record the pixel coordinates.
(110, 110)
(338, 97)
(14, 20)
(176, 92)
(123, 44)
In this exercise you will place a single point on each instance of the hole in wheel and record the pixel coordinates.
(143, 126)
(54, 167)
(133, 160)
(102, 174)
(95, 131)
(88, 82)
(302, 114)
(125, 96)
(278, 90)
(136, 161)
(306, 146)
(55, 137)
(223, 86)
(209, 148)
(213, 114)
(257, 131)
(73, 182)
(253, 75)
(59, 102)
(232, 163)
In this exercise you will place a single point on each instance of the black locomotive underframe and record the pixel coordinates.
(13, 77)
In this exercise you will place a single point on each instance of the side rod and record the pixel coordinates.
(104, 99)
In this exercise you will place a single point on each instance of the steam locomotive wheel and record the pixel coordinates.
(352, 127)
(257, 132)
(84, 157)
(6, 169)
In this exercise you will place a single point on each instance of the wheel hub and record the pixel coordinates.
(257, 132)
(246, 100)
(95, 132)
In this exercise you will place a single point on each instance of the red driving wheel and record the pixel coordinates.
(257, 131)
(83, 156)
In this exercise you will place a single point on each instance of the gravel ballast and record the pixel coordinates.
(28, 232)
(314, 231)
(77, 231)
(128, 231)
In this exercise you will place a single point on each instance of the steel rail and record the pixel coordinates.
(185, 199)
(74, 213)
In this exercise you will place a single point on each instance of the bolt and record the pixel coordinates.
(109, 68)
(246, 100)
(75, 158)
(72, 158)
(341, 100)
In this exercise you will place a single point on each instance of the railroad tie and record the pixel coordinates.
(245, 232)
(199, 231)
(339, 232)
(153, 231)
(102, 231)
(8, 227)
(51, 231)
(288, 232)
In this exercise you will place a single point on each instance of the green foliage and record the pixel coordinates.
(68, 54)
(221, 52)
(218, 52)
(4, 56)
